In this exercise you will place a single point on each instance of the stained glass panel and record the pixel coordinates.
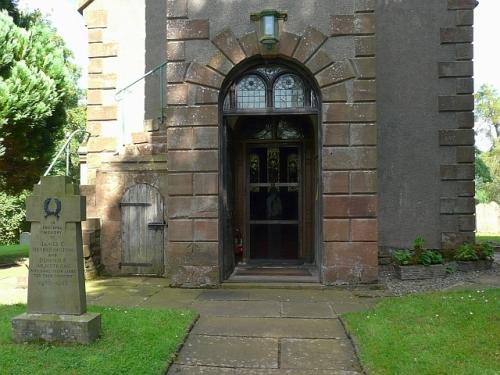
(288, 92)
(251, 93)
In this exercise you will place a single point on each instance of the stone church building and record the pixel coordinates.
(286, 140)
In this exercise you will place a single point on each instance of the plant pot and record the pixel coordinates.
(420, 272)
(474, 265)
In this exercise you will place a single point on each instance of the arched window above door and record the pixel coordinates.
(270, 88)
(251, 92)
(288, 92)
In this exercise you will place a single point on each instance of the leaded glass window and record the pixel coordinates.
(288, 92)
(271, 88)
(251, 93)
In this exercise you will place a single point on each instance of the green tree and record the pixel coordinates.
(487, 104)
(12, 216)
(11, 7)
(491, 189)
(38, 84)
(76, 120)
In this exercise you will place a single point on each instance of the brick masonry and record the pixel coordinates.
(457, 209)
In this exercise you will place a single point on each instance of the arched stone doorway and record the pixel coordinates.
(269, 171)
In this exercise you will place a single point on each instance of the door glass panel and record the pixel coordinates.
(273, 164)
(273, 203)
(258, 165)
(274, 241)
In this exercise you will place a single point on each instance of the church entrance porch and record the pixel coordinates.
(269, 177)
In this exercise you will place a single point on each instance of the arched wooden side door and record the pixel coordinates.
(143, 229)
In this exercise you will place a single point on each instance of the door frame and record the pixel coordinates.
(227, 244)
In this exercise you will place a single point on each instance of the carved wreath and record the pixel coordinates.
(48, 211)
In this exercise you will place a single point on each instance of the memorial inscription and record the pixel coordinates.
(56, 308)
(56, 279)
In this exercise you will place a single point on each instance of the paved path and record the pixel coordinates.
(270, 331)
(243, 331)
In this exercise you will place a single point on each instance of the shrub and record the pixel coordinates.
(466, 252)
(418, 255)
(485, 250)
(402, 257)
(12, 216)
(418, 244)
(430, 257)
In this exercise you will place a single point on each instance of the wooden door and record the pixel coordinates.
(143, 228)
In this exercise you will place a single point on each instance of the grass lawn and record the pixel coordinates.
(134, 341)
(440, 333)
(491, 237)
(11, 253)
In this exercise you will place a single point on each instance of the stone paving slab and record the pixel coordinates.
(292, 295)
(209, 370)
(171, 298)
(313, 310)
(223, 295)
(318, 354)
(199, 370)
(269, 327)
(229, 352)
(264, 309)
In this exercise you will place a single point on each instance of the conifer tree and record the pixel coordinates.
(38, 84)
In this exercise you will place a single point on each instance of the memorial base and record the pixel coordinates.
(82, 329)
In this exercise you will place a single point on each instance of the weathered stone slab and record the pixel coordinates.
(319, 310)
(318, 354)
(269, 327)
(248, 309)
(81, 329)
(229, 352)
(223, 295)
(212, 370)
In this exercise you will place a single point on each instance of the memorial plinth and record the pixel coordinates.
(57, 307)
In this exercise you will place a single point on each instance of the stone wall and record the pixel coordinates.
(116, 58)
(335, 42)
(413, 177)
(457, 206)
(426, 156)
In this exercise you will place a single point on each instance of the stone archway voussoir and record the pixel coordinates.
(204, 76)
(229, 45)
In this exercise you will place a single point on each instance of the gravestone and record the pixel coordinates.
(24, 238)
(57, 307)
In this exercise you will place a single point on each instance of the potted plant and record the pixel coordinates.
(418, 263)
(474, 257)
